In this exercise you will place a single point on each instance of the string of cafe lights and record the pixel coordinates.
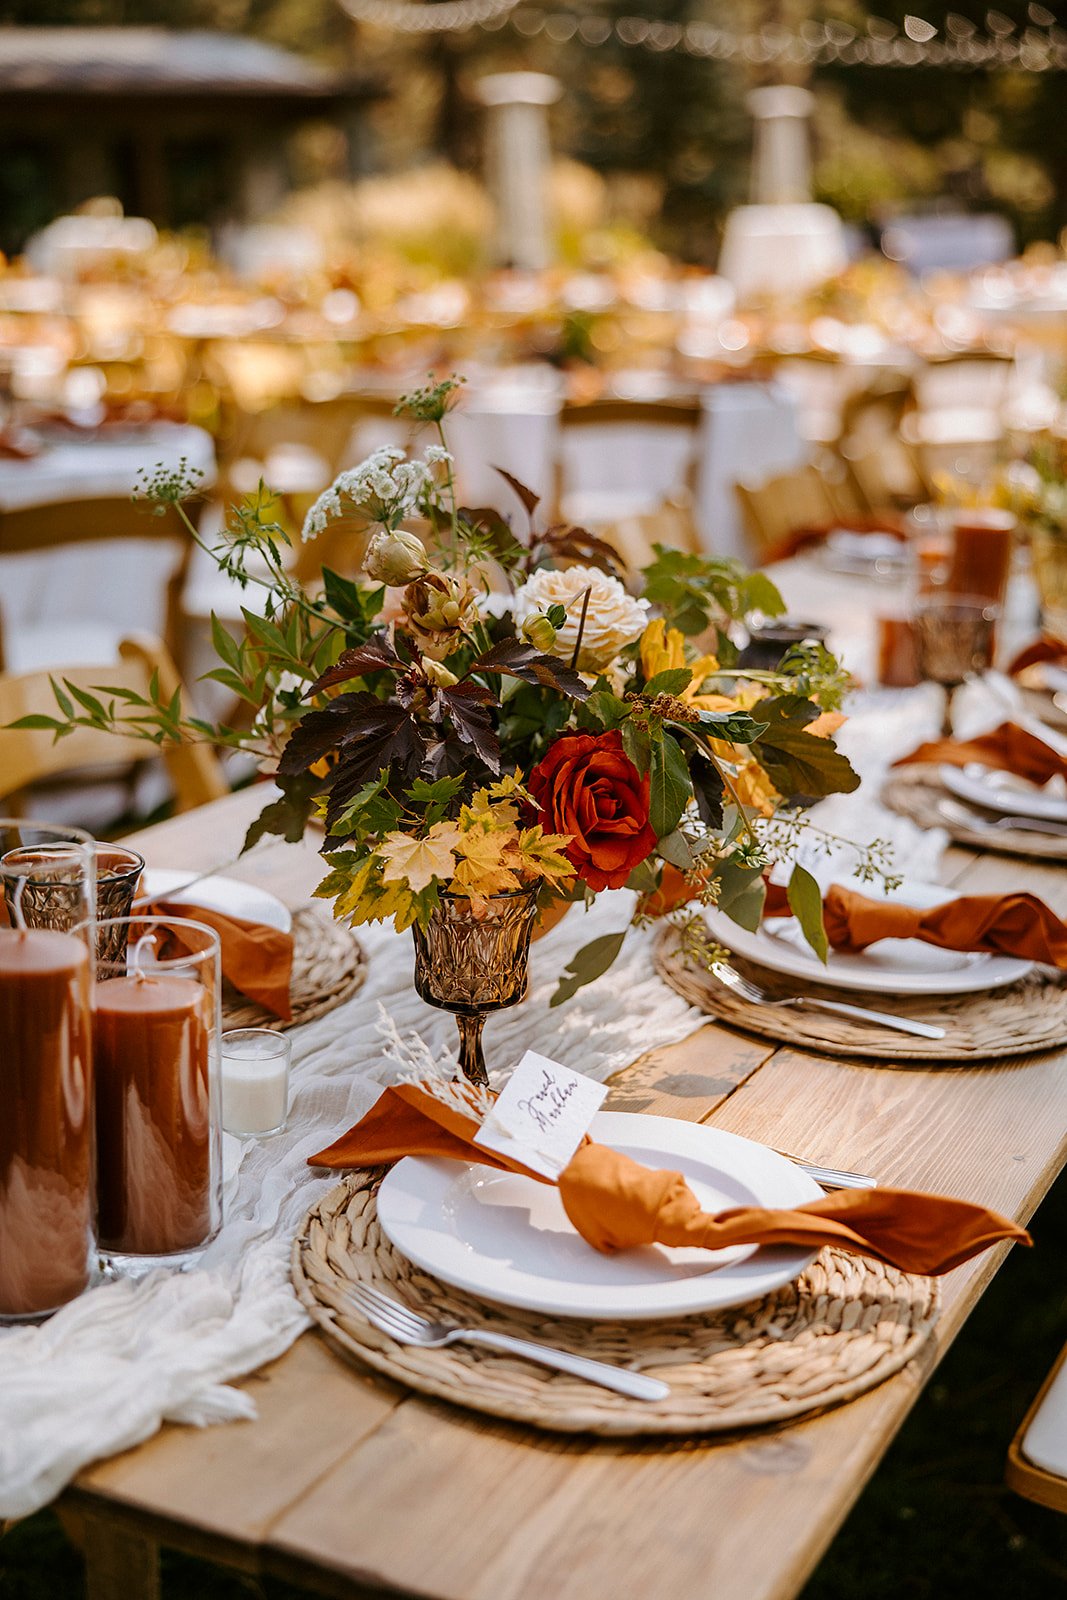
(1039, 45)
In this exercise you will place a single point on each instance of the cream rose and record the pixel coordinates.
(613, 619)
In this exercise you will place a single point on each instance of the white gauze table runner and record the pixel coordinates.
(108, 1370)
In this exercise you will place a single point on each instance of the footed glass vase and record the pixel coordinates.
(1049, 552)
(471, 966)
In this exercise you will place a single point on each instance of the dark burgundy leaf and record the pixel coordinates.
(517, 659)
(373, 656)
(287, 816)
(530, 500)
(578, 544)
(449, 757)
(465, 704)
(350, 725)
(399, 745)
(319, 732)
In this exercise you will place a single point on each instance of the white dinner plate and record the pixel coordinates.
(507, 1238)
(229, 896)
(1003, 792)
(892, 966)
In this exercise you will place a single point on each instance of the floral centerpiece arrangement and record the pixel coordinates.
(490, 726)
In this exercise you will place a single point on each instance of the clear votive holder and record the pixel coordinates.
(156, 1029)
(255, 1081)
(49, 897)
(47, 1200)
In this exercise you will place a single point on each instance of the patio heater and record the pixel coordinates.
(517, 160)
(783, 243)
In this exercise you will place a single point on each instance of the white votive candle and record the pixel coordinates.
(255, 1080)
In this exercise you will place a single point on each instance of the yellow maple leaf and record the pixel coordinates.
(487, 815)
(825, 724)
(481, 869)
(419, 861)
(538, 854)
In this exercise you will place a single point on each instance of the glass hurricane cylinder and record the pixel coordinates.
(156, 1033)
(47, 1201)
(473, 965)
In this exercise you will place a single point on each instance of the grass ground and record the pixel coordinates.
(936, 1523)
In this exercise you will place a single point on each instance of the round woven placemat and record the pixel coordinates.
(1029, 1016)
(914, 792)
(844, 1325)
(328, 967)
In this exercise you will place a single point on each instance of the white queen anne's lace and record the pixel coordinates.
(385, 487)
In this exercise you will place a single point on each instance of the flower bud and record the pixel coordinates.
(436, 608)
(437, 674)
(395, 558)
(539, 632)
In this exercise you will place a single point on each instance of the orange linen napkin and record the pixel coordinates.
(1014, 924)
(617, 1204)
(1044, 649)
(256, 959)
(803, 538)
(1008, 748)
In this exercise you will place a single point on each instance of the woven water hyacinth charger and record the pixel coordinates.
(845, 1325)
(916, 792)
(1021, 1020)
(328, 968)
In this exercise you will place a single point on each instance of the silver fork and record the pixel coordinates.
(407, 1327)
(748, 990)
(980, 824)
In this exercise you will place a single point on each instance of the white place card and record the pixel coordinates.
(542, 1115)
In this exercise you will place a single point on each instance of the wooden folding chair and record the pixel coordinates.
(882, 467)
(674, 417)
(1025, 1476)
(52, 528)
(957, 424)
(777, 508)
(30, 756)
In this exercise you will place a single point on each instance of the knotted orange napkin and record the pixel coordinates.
(800, 539)
(1008, 748)
(1043, 650)
(256, 959)
(617, 1204)
(1016, 924)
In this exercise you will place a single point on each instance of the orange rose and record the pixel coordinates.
(588, 787)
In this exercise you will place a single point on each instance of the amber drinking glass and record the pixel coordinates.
(953, 641)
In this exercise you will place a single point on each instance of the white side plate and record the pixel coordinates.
(507, 1238)
(892, 966)
(1000, 791)
(229, 896)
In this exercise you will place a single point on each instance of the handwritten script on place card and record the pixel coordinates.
(541, 1115)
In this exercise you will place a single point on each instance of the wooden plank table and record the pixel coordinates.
(351, 1486)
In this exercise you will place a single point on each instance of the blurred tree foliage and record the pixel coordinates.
(995, 140)
(886, 138)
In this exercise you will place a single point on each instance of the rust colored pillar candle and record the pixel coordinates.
(154, 1126)
(46, 1121)
(981, 553)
